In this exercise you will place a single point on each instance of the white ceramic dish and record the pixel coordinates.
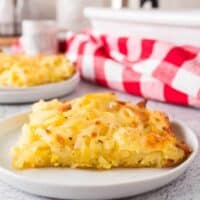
(156, 24)
(46, 91)
(86, 184)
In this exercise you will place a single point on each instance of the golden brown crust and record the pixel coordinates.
(123, 103)
(182, 145)
(142, 104)
(97, 131)
(60, 139)
(65, 107)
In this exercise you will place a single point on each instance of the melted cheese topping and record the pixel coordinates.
(25, 71)
(97, 131)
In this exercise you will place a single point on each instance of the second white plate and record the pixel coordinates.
(46, 91)
(86, 184)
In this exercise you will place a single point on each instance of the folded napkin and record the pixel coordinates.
(144, 67)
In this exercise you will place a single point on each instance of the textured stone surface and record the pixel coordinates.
(186, 187)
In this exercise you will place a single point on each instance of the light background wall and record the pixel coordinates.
(174, 4)
(43, 8)
(70, 15)
(171, 4)
(46, 8)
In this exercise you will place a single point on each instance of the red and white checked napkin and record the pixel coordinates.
(149, 68)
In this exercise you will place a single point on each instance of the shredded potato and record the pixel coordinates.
(25, 70)
(97, 131)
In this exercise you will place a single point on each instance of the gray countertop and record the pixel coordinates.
(186, 187)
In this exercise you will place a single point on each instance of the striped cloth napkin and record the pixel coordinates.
(149, 68)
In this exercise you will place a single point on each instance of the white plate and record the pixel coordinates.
(46, 91)
(86, 184)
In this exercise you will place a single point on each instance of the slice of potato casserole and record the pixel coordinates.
(97, 131)
(20, 70)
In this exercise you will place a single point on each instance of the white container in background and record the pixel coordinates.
(22, 12)
(180, 27)
(69, 14)
(6, 17)
(39, 36)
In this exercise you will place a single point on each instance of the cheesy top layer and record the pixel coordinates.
(25, 71)
(97, 131)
